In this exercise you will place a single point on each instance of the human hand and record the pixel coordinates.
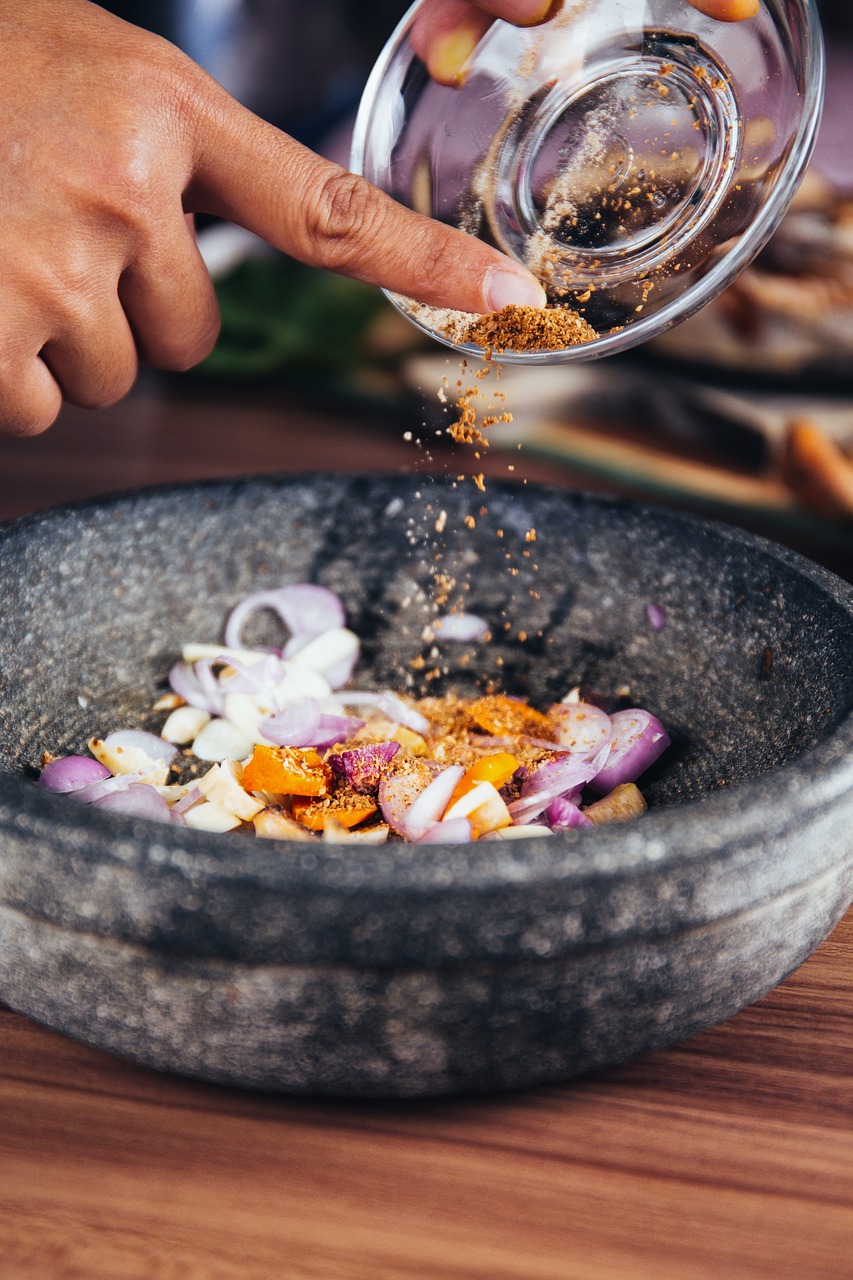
(111, 138)
(447, 32)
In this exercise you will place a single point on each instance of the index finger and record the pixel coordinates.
(252, 174)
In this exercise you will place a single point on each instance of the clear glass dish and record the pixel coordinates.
(635, 154)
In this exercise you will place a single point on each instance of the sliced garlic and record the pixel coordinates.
(301, 681)
(246, 711)
(329, 650)
(334, 833)
(222, 785)
(184, 724)
(210, 817)
(221, 740)
(130, 760)
(274, 825)
(483, 806)
(209, 652)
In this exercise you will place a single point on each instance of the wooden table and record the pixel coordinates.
(726, 1158)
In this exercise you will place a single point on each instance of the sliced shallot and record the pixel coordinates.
(363, 767)
(453, 831)
(137, 801)
(96, 790)
(430, 804)
(72, 773)
(581, 726)
(638, 739)
(303, 608)
(185, 681)
(564, 814)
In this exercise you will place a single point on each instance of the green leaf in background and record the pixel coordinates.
(278, 314)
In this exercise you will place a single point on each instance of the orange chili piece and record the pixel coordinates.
(497, 769)
(314, 814)
(292, 771)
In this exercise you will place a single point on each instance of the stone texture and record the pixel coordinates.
(407, 971)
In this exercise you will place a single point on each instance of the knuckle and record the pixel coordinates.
(436, 254)
(184, 351)
(105, 385)
(70, 284)
(23, 412)
(128, 193)
(31, 419)
(344, 214)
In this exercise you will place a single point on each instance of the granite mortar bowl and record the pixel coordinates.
(405, 970)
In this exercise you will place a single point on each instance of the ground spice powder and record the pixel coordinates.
(517, 328)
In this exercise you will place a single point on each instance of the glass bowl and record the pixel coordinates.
(634, 154)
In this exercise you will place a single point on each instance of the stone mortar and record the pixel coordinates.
(410, 971)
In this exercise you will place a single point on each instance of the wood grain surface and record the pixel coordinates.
(729, 1157)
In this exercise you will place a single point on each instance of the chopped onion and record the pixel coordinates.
(333, 729)
(466, 628)
(185, 681)
(191, 796)
(554, 778)
(258, 678)
(303, 724)
(656, 616)
(295, 726)
(564, 773)
(396, 709)
(209, 684)
(302, 607)
(581, 726)
(453, 831)
(137, 801)
(363, 767)
(430, 804)
(88, 795)
(564, 813)
(638, 739)
(390, 705)
(397, 793)
(72, 773)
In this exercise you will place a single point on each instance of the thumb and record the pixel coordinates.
(252, 174)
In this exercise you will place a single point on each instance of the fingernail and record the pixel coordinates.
(544, 13)
(504, 288)
(450, 53)
(727, 10)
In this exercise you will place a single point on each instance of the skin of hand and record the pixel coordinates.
(112, 139)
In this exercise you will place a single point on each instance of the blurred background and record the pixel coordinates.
(744, 412)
